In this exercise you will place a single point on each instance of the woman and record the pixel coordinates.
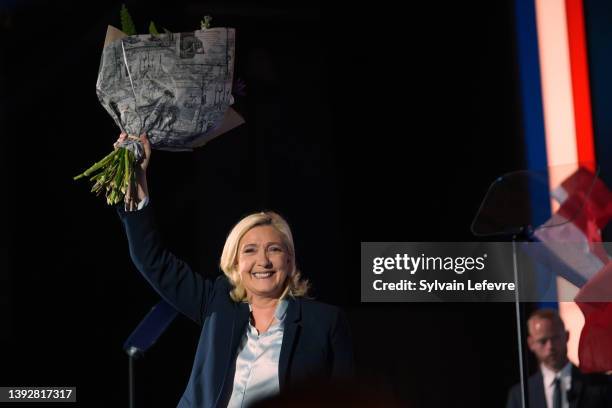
(260, 335)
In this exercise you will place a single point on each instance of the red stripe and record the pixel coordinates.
(580, 83)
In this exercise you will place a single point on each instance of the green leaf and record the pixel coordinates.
(153, 29)
(127, 25)
(205, 24)
(101, 164)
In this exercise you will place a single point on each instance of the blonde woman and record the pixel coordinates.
(260, 335)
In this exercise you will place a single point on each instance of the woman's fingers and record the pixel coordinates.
(120, 140)
(147, 151)
(145, 142)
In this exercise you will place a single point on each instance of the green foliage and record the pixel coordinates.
(204, 24)
(153, 29)
(113, 175)
(127, 25)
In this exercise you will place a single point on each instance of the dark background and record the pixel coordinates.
(364, 123)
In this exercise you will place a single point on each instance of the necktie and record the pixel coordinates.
(557, 394)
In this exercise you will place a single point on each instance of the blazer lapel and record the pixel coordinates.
(232, 332)
(291, 332)
(240, 322)
(537, 398)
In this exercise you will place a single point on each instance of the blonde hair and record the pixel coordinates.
(294, 285)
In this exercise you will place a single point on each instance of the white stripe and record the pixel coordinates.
(556, 80)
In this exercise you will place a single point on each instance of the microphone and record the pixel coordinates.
(150, 329)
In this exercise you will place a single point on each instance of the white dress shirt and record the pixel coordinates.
(565, 375)
(256, 374)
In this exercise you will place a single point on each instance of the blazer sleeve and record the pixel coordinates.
(343, 363)
(171, 277)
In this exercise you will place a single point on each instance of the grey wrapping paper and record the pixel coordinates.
(176, 88)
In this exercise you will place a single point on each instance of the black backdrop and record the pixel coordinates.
(369, 122)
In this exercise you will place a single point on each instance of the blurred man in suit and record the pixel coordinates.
(558, 383)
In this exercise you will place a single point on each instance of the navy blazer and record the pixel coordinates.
(316, 341)
(587, 391)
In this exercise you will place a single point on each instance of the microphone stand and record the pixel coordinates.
(143, 337)
(521, 314)
(133, 354)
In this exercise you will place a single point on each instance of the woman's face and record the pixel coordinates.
(263, 262)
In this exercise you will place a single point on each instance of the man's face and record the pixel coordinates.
(548, 341)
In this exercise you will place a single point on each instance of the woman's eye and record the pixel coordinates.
(276, 249)
(248, 250)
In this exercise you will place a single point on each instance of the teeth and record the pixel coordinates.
(262, 275)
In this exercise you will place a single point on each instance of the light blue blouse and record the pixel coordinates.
(256, 374)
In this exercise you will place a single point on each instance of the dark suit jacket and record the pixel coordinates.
(587, 391)
(316, 341)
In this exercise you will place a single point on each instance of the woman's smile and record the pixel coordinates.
(262, 275)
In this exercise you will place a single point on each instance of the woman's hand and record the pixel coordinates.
(136, 193)
(147, 153)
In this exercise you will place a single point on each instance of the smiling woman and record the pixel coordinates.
(259, 255)
(260, 334)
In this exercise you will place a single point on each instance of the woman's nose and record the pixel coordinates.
(263, 260)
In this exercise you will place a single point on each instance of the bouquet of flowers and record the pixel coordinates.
(174, 87)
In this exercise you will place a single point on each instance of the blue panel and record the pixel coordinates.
(531, 105)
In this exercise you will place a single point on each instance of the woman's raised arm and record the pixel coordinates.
(170, 276)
